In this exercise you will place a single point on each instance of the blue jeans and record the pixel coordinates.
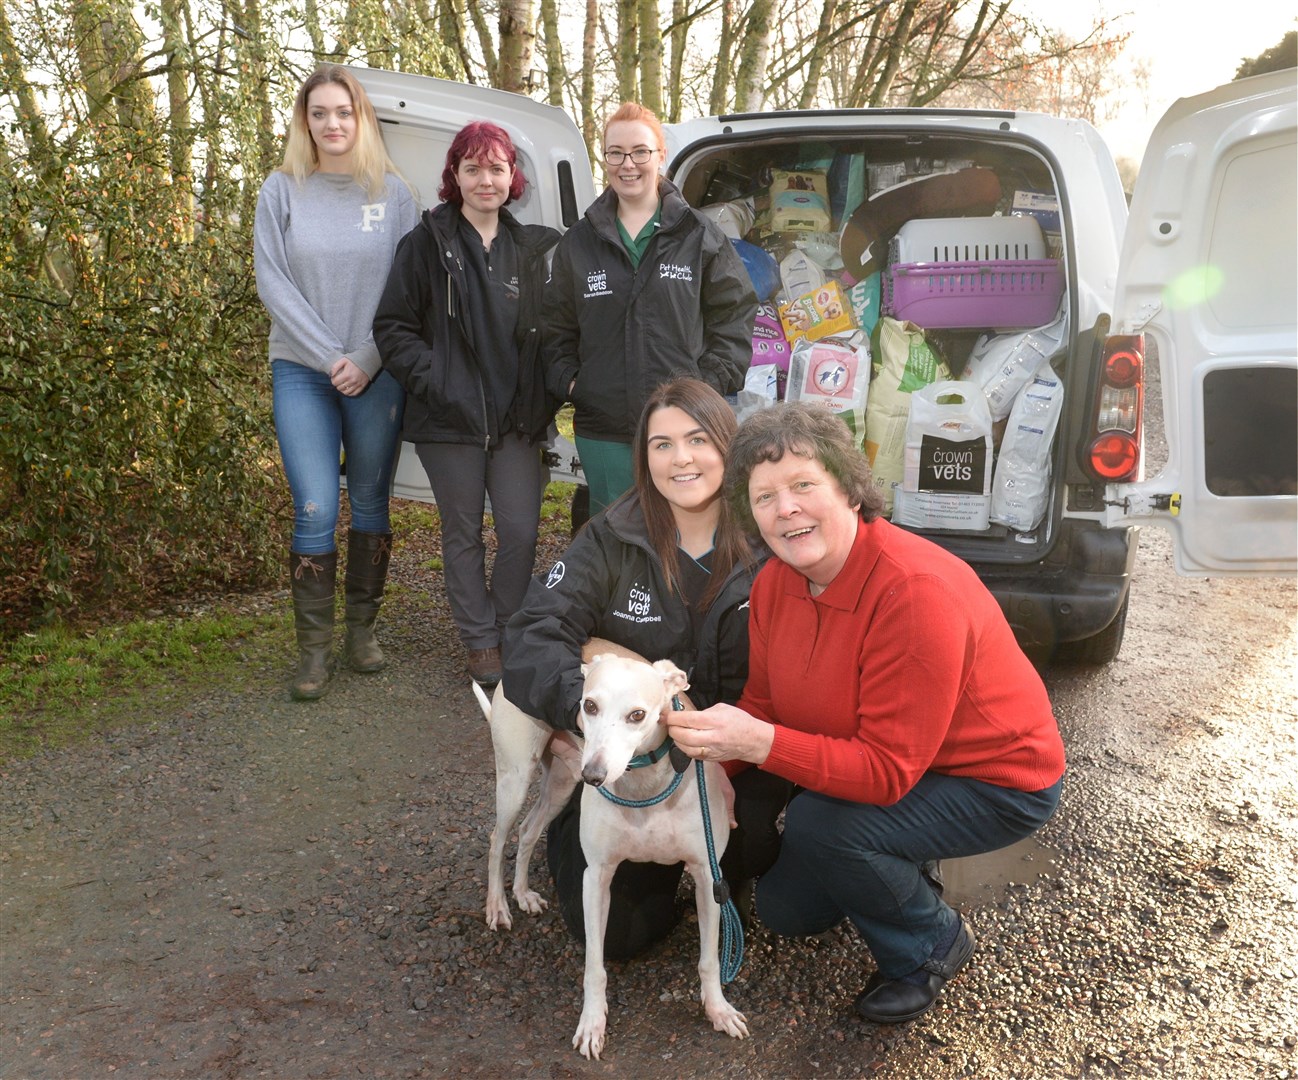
(842, 859)
(312, 421)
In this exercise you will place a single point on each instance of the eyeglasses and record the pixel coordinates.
(639, 155)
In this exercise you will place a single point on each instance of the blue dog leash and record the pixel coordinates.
(732, 927)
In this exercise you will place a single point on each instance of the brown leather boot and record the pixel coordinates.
(312, 578)
(367, 573)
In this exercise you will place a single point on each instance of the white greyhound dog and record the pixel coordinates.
(622, 717)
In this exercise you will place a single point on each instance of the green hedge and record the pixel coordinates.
(136, 450)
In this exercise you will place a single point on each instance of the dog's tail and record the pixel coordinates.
(483, 700)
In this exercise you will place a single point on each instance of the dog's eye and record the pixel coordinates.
(589, 707)
(636, 715)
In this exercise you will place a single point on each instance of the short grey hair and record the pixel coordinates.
(810, 431)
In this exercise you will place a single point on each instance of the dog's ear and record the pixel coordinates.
(674, 680)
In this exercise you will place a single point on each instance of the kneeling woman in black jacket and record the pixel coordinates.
(664, 571)
(458, 326)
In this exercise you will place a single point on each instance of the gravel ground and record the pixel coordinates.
(245, 887)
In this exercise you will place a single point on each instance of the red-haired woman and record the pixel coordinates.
(644, 288)
(458, 327)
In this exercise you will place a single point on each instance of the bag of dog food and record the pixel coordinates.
(906, 363)
(799, 201)
(835, 373)
(1021, 482)
(1002, 364)
(947, 474)
(800, 273)
(769, 343)
(820, 313)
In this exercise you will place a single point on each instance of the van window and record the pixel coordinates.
(1251, 247)
(1250, 430)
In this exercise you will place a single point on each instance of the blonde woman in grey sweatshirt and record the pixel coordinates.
(328, 223)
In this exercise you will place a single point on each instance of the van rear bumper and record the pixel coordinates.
(1071, 595)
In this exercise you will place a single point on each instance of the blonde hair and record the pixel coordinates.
(370, 161)
(637, 113)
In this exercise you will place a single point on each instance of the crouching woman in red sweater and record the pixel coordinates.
(884, 681)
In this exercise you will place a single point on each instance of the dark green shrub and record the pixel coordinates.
(135, 444)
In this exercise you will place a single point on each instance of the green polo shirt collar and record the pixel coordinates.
(637, 247)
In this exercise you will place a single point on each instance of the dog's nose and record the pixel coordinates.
(593, 775)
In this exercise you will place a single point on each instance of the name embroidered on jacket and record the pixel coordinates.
(556, 575)
(597, 284)
(676, 271)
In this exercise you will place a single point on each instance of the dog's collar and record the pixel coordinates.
(653, 757)
(665, 748)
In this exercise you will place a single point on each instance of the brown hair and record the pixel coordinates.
(701, 403)
(811, 432)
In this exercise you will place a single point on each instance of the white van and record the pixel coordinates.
(1201, 272)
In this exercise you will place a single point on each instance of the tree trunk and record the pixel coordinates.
(517, 41)
(589, 36)
(755, 48)
(650, 57)
(484, 38)
(627, 49)
(892, 52)
(818, 50)
(720, 94)
(679, 36)
(555, 68)
(40, 148)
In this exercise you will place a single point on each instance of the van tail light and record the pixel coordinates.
(1114, 451)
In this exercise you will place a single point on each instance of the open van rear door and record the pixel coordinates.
(420, 116)
(1209, 273)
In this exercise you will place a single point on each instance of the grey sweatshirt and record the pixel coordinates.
(322, 252)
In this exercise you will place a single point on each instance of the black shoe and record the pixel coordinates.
(895, 1001)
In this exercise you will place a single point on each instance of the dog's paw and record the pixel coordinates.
(498, 917)
(531, 901)
(725, 1017)
(590, 1036)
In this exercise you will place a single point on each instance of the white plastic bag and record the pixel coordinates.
(1021, 484)
(760, 390)
(947, 475)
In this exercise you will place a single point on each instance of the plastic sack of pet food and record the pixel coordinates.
(763, 270)
(799, 201)
(835, 373)
(761, 389)
(864, 298)
(818, 314)
(769, 343)
(1021, 482)
(1002, 364)
(947, 474)
(735, 218)
(799, 274)
(905, 363)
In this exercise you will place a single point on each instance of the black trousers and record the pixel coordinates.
(642, 906)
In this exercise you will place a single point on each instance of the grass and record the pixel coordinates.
(63, 684)
(59, 685)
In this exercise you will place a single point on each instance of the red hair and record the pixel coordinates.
(637, 113)
(482, 141)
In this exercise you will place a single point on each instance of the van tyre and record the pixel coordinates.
(1098, 649)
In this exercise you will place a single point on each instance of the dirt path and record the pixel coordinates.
(250, 887)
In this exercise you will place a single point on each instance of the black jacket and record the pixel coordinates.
(609, 584)
(619, 331)
(425, 336)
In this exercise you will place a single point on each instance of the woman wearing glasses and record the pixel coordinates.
(643, 288)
